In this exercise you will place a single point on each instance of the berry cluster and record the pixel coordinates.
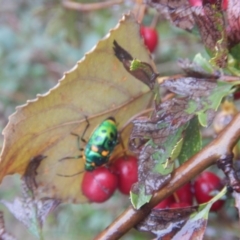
(100, 184)
(203, 188)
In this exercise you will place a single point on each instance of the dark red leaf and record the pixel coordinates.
(233, 19)
(167, 223)
(190, 87)
(147, 177)
(193, 70)
(31, 172)
(143, 72)
(177, 11)
(209, 19)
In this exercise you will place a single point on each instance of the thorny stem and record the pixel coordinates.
(226, 164)
(86, 7)
(219, 148)
(224, 78)
(228, 78)
(236, 195)
(154, 21)
(139, 10)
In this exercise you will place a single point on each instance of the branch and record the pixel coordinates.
(86, 7)
(219, 148)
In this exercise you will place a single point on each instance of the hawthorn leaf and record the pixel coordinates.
(29, 177)
(193, 88)
(187, 223)
(172, 147)
(166, 223)
(207, 16)
(232, 66)
(210, 22)
(192, 142)
(31, 212)
(96, 88)
(210, 103)
(4, 235)
(235, 52)
(203, 62)
(169, 116)
(148, 179)
(26, 211)
(141, 70)
(203, 96)
(159, 139)
(177, 11)
(233, 18)
(199, 68)
(139, 199)
(233, 60)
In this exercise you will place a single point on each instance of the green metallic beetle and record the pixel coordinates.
(101, 144)
(99, 147)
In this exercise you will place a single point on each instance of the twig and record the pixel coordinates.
(218, 148)
(139, 11)
(228, 78)
(86, 7)
(154, 21)
(237, 202)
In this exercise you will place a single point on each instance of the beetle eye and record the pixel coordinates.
(112, 135)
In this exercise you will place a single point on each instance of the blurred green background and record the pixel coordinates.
(39, 41)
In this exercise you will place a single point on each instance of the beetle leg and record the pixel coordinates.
(85, 130)
(65, 158)
(82, 137)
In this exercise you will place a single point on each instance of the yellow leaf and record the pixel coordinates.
(96, 88)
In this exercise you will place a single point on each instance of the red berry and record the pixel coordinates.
(206, 183)
(236, 95)
(224, 4)
(165, 203)
(195, 3)
(126, 169)
(99, 185)
(179, 205)
(150, 37)
(185, 194)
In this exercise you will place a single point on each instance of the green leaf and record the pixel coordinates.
(203, 209)
(233, 63)
(192, 142)
(172, 147)
(211, 102)
(203, 62)
(235, 52)
(164, 167)
(139, 199)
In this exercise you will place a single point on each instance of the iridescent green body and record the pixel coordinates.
(101, 144)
